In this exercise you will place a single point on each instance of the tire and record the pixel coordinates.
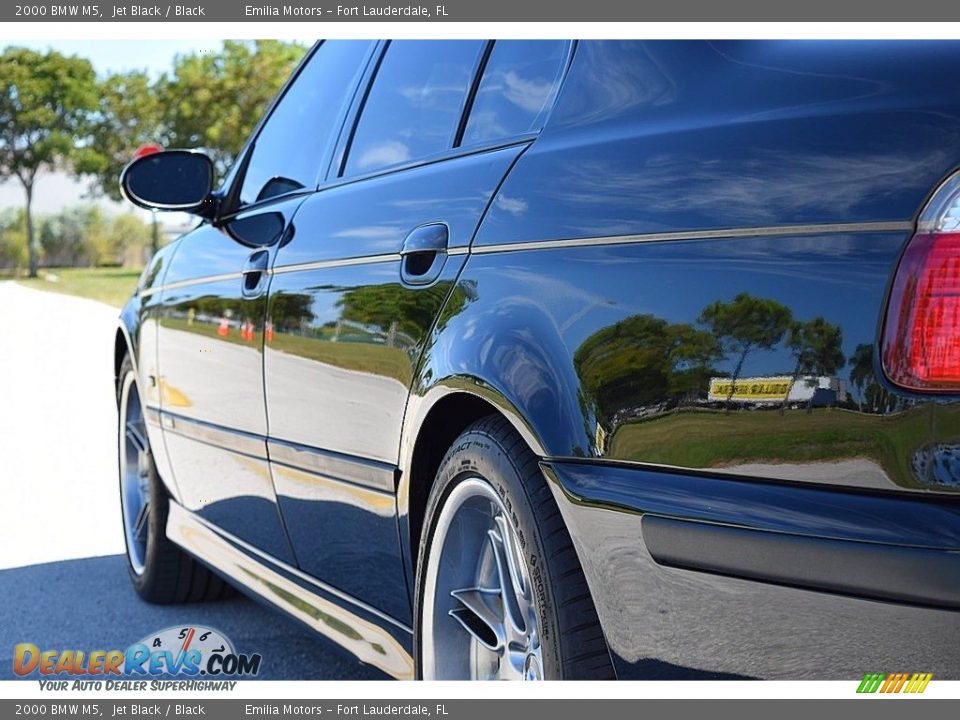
(160, 571)
(499, 590)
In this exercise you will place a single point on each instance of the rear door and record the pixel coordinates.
(374, 255)
(214, 301)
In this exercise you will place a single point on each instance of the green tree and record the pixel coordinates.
(128, 236)
(291, 312)
(626, 364)
(394, 311)
(119, 240)
(864, 379)
(817, 346)
(63, 236)
(45, 101)
(96, 241)
(128, 115)
(13, 238)
(693, 353)
(745, 324)
(214, 100)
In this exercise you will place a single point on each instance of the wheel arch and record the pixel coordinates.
(125, 338)
(122, 346)
(435, 420)
(498, 354)
(440, 417)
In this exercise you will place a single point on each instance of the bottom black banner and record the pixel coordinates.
(475, 709)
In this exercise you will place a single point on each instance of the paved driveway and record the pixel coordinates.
(62, 576)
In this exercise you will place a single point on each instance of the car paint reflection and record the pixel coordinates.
(630, 355)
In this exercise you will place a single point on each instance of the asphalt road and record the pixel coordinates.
(63, 580)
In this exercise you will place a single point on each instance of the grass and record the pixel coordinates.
(364, 357)
(704, 439)
(112, 286)
(372, 358)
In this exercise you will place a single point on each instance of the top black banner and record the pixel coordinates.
(478, 11)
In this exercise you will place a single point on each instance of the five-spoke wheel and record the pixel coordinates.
(479, 617)
(500, 593)
(134, 474)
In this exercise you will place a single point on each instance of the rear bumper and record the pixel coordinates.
(699, 576)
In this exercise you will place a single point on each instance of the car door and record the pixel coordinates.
(374, 256)
(212, 308)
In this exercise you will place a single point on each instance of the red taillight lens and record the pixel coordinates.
(921, 339)
(920, 349)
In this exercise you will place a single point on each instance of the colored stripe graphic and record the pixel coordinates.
(894, 683)
(870, 683)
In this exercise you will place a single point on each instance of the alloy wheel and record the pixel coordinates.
(479, 618)
(135, 467)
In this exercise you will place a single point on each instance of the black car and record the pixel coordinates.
(544, 359)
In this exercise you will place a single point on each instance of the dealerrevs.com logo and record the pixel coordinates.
(192, 651)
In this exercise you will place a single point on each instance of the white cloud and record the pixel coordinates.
(383, 154)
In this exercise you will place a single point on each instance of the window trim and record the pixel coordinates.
(232, 205)
(333, 175)
(336, 177)
(433, 159)
(344, 151)
(345, 137)
(565, 64)
(472, 93)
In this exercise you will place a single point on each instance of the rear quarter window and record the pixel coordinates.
(517, 90)
(414, 107)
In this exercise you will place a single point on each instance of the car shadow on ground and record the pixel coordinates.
(89, 604)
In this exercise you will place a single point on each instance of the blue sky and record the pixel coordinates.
(54, 191)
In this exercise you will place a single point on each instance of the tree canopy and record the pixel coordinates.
(127, 116)
(744, 324)
(55, 113)
(214, 100)
(45, 104)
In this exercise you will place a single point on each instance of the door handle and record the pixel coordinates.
(424, 253)
(254, 270)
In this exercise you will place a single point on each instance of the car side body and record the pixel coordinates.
(741, 504)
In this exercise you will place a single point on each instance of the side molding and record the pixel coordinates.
(871, 570)
(360, 629)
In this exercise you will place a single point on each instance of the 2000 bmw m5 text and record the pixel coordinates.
(544, 359)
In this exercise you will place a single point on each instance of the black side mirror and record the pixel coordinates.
(259, 230)
(170, 180)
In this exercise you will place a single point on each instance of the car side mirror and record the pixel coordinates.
(170, 180)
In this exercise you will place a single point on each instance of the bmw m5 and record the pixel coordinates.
(565, 360)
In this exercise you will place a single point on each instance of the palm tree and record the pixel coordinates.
(745, 324)
(817, 346)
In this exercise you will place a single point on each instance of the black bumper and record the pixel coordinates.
(704, 576)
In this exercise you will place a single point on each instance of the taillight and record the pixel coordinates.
(921, 335)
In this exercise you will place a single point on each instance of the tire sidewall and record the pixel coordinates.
(478, 455)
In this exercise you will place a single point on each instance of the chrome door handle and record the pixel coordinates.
(254, 271)
(424, 253)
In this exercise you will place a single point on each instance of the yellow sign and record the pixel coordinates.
(768, 388)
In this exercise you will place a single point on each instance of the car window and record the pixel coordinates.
(291, 146)
(415, 104)
(517, 89)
